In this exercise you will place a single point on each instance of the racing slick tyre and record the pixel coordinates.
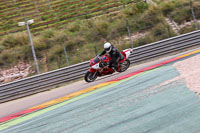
(124, 65)
(90, 77)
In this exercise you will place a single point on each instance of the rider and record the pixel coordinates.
(114, 53)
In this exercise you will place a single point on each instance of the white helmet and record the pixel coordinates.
(107, 47)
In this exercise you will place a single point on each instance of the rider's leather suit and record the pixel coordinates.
(115, 57)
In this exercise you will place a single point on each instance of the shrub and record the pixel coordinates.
(145, 21)
(128, 12)
(135, 9)
(2, 48)
(142, 41)
(8, 58)
(74, 42)
(73, 27)
(39, 44)
(185, 14)
(48, 33)
(196, 5)
(117, 29)
(98, 30)
(1, 62)
(139, 7)
(187, 29)
(167, 7)
(179, 10)
(55, 52)
(16, 39)
(27, 53)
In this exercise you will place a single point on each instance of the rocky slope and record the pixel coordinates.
(17, 72)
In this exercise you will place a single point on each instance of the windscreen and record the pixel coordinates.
(96, 60)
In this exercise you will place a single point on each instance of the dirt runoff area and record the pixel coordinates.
(190, 71)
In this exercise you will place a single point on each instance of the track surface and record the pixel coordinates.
(34, 100)
(145, 102)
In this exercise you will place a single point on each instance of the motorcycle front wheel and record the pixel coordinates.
(124, 65)
(90, 77)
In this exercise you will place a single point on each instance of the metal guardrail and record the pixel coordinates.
(46, 81)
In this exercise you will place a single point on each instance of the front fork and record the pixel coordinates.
(93, 71)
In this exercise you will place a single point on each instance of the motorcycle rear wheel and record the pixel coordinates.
(124, 65)
(90, 77)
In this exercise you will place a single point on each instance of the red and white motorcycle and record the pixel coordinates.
(99, 66)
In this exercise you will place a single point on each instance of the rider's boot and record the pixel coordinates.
(115, 67)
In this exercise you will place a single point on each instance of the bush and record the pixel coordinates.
(73, 27)
(48, 33)
(16, 39)
(139, 7)
(160, 32)
(117, 29)
(8, 58)
(55, 52)
(142, 41)
(2, 48)
(187, 29)
(39, 44)
(185, 14)
(145, 21)
(167, 7)
(180, 10)
(1, 62)
(98, 29)
(135, 9)
(27, 53)
(74, 42)
(196, 5)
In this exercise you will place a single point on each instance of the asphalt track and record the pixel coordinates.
(139, 102)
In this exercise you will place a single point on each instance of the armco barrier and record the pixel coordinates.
(45, 81)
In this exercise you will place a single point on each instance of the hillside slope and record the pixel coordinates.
(50, 14)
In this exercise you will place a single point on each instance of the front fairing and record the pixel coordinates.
(96, 66)
(99, 62)
(94, 61)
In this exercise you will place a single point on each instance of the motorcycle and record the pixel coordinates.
(99, 65)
